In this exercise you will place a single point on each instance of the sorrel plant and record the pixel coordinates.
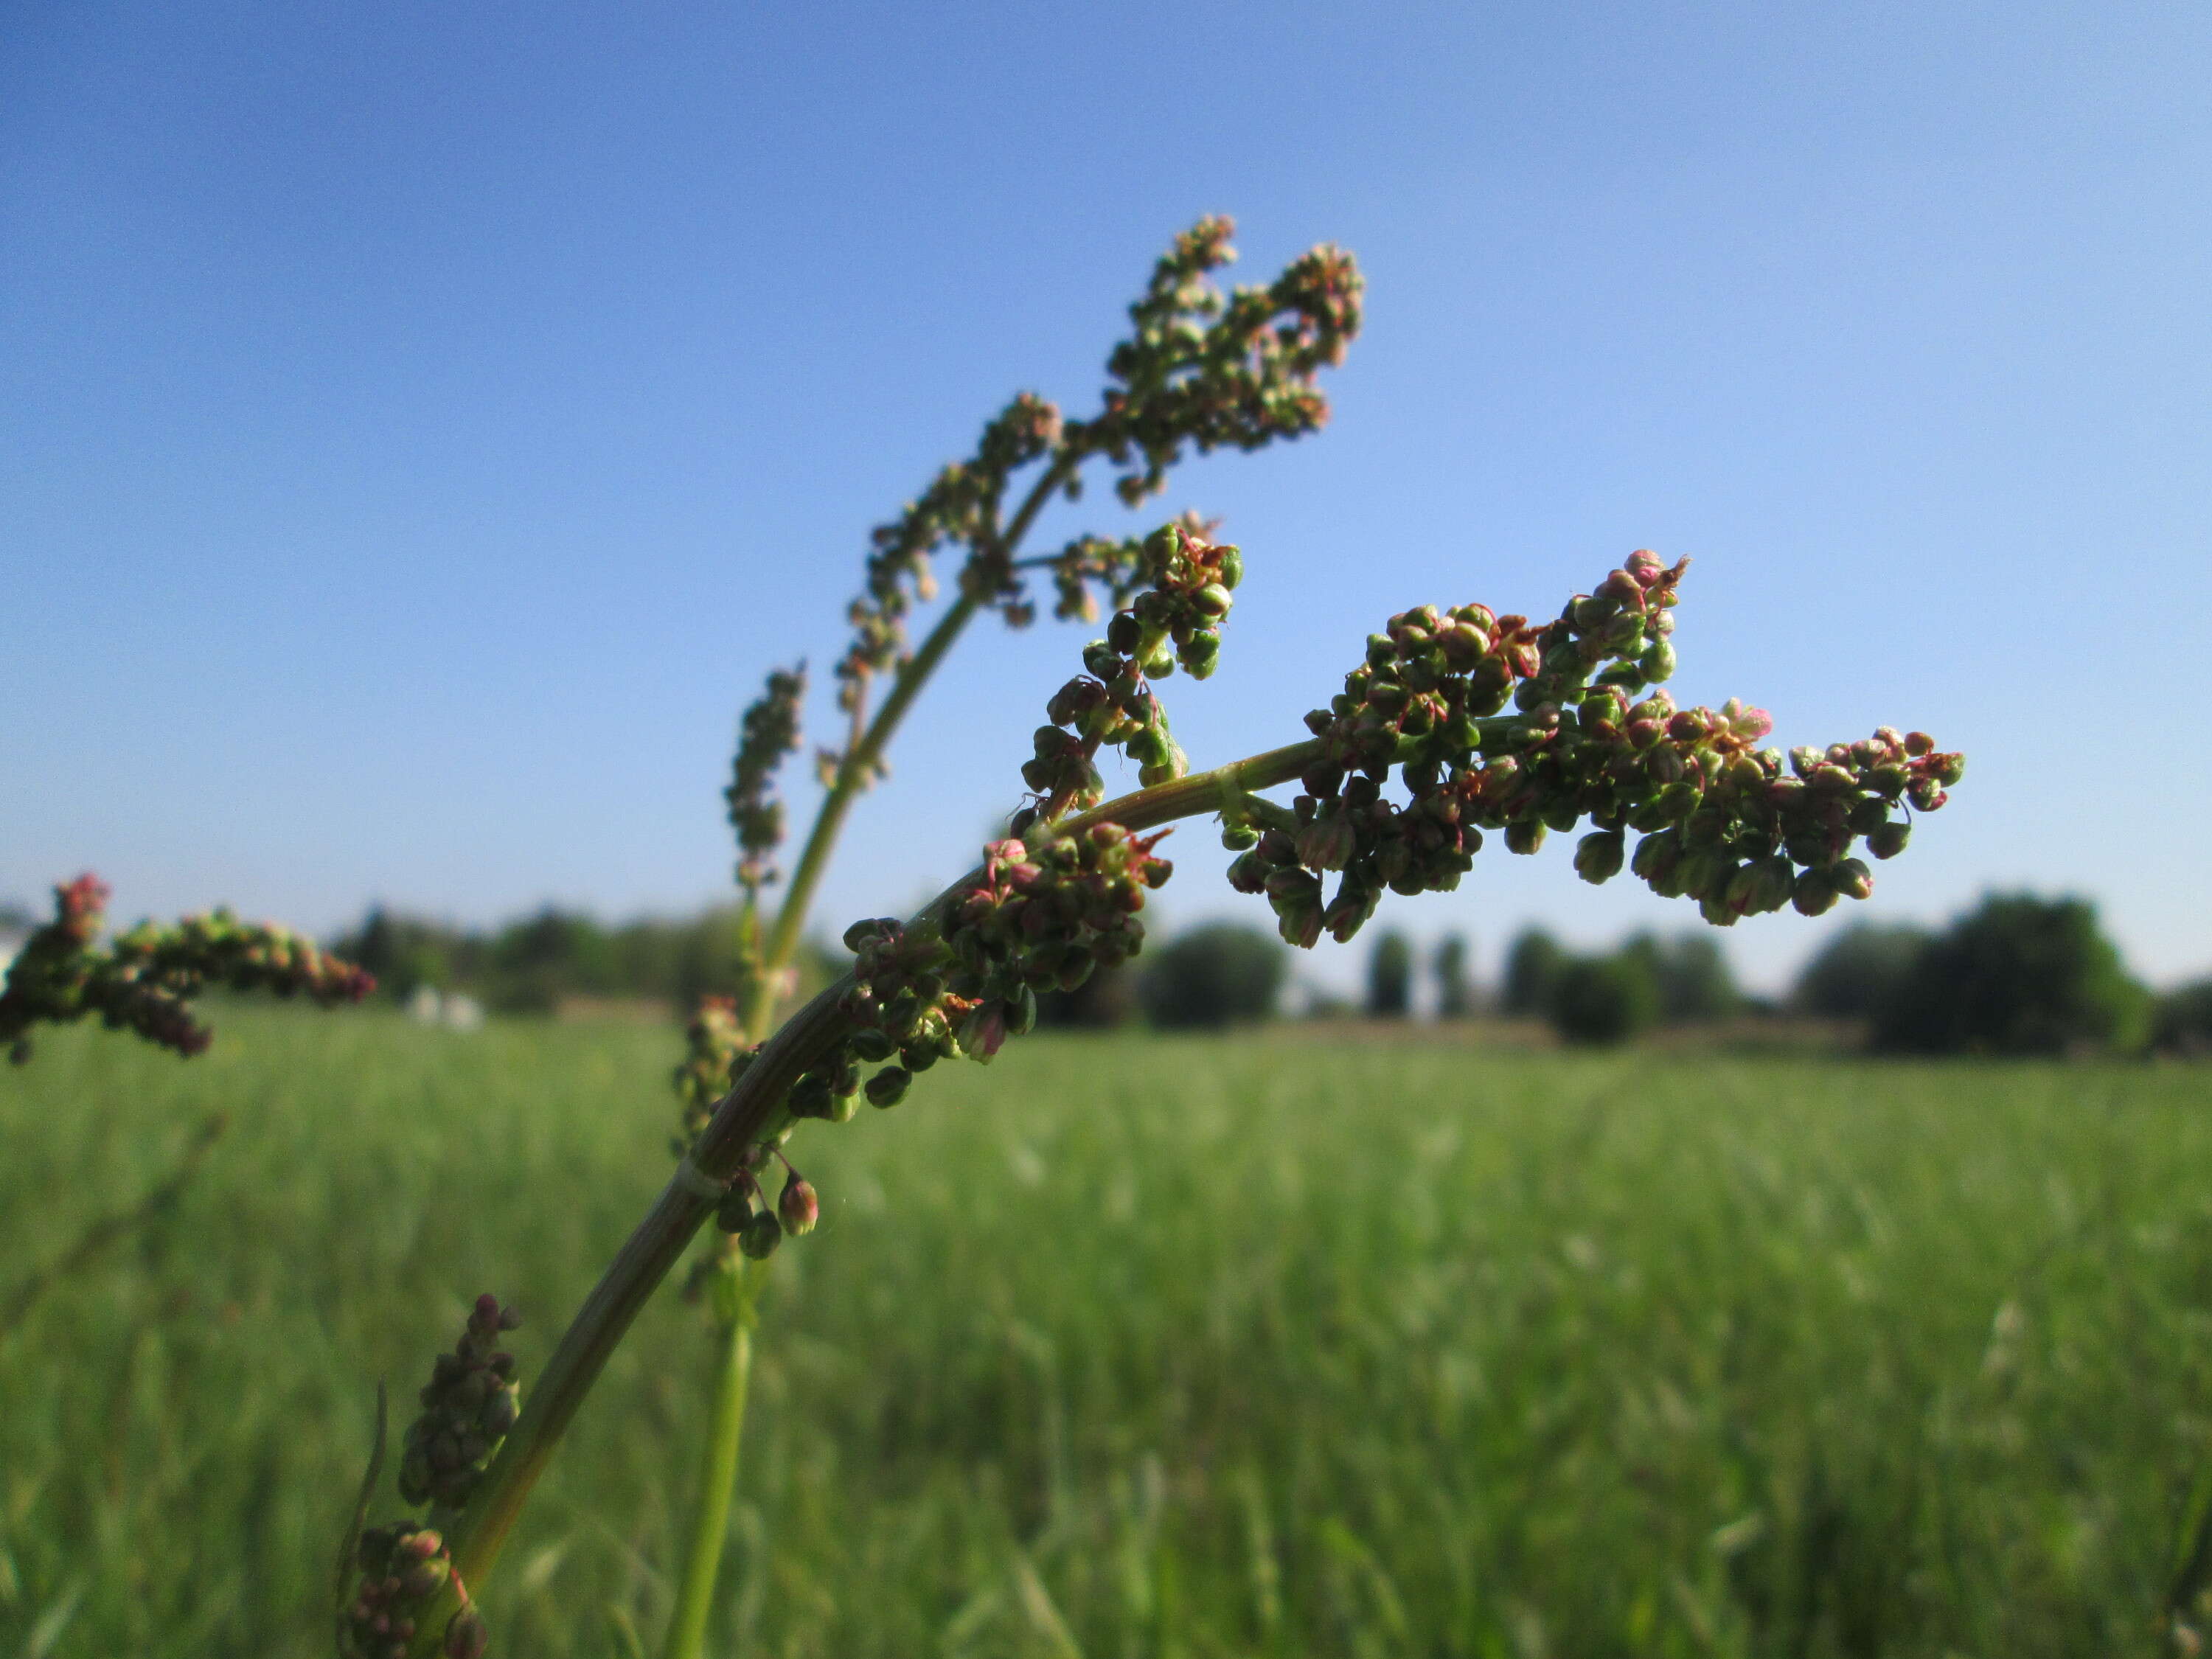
(1453, 722)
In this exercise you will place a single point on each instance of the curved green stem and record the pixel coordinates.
(863, 756)
(748, 1114)
(718, 1475)
(852, 773)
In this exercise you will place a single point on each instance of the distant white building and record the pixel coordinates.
(454, 1010)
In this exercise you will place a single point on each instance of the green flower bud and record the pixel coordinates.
(1523, 836)
(1657, 664)
(735, 1210)
(761, 1237)
(888, 1087)
(1886, 841)
(1598, 857)
(1814, 894)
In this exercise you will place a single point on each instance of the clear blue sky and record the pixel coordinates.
(421, 426)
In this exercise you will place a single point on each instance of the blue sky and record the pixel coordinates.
(421, 427)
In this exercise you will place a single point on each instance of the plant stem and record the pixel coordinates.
(748, 1113)
(710, 1514)
(861, 757)
(852, 773)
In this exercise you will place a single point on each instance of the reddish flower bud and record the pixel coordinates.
(798, 1206)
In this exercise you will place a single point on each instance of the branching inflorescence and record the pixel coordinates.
(144, 980)
(1453, 723)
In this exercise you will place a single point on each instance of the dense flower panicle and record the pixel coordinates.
(960, 508)
(402, 1569)
(1115, 568)
(715, 1055)
(1043, 918)
(767, 736)
(471, 1402)
(1211, 373)
(1176, 619)
(1592, 739)
(1197, 369)
(1036, 917)
(144, 980)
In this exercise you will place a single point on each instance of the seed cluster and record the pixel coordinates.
(1036, 917)
(715, 1054)
(144, 981)
(1177, 619)
(759, 1230)
(1217, 374)
(960, 508)
(1045, 918)
(469, 1405)
(1197, 369)
(1720, 822)
(767, 735)
(402, 1567)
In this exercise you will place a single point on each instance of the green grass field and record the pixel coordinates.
(1131, 1347)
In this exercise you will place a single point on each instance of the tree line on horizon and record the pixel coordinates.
(2016, 975)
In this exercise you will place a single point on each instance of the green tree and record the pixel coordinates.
(2018, 974)
(1106, 1000)
(1691, 974)
(1604, 999)
(2185, 1018)
(1533, 963)
(1454, 988)
(1390, 977)
(1221, 974)
(1859, 972)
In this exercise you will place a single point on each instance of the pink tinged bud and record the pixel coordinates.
(1751, 724)
(1643, 568)
(984, 1032)
(1852, 879)
(798, 1206)
(1919, 743)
